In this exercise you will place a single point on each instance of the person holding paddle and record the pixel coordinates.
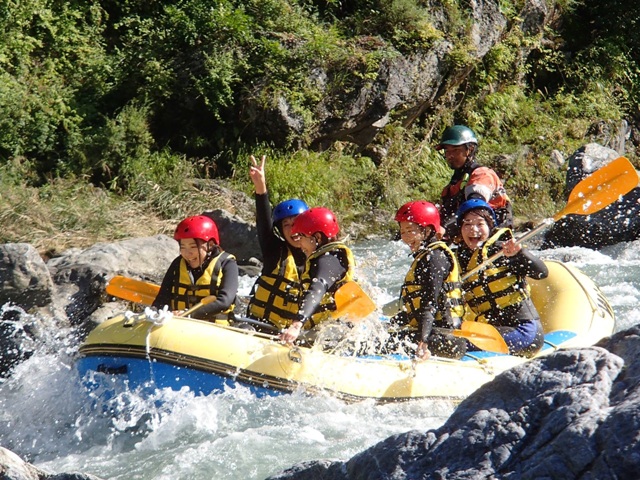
(430, 295)
(469, 180)
(499, 294)
(201, 271)
(330, 264)
(275, 294)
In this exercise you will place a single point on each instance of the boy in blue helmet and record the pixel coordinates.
(276, 294)
(499, 294)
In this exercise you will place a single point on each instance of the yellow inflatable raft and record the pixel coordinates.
(207, 357)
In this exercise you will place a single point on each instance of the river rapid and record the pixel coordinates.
(48, 419)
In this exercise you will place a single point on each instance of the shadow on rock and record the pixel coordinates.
(569, 415)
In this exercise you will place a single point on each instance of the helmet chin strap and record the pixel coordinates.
(315, 238)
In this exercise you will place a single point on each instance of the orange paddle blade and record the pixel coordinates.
(601, 188)
(352, 302)
(133, 290)
(483, 336)
(593, 193)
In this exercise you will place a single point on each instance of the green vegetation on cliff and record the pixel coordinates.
(112, 113)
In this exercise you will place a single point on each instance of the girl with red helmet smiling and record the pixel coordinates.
(202, 269)
(431, 296)
(329, 265)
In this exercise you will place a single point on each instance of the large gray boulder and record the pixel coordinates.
(24, 277)
(236, 236)
(26, 292)
(618, 222)
(144, 257)
(82, 275)
(12, 467)
(572, 415)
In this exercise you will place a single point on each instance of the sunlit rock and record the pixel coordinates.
(569, 415)
(618, 222)
(12, 467)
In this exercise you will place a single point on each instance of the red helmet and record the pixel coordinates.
(316, 219)
(200, 227)
(420, 212)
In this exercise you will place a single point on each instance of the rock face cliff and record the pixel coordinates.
(403, 88)
(572, 415)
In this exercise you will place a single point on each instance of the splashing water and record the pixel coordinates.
(51, 420)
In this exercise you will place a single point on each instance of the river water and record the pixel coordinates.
(48, 419)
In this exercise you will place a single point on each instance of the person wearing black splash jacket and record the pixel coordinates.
(275, 295)
(499, 294)
(201, 270)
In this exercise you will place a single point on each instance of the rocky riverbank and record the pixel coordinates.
(570, 415)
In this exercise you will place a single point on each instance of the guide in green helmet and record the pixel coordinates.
(469, 180)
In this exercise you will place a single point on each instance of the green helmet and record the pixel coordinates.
(457, 135)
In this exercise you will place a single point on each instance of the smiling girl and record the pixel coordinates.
(203, 269)
(276, 293)
(499, 294)
(330, 264)
(430, 294)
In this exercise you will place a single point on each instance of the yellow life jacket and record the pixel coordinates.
(496, 287)
(185, 293)
(276, 295)
(450, 308)
(328, 303)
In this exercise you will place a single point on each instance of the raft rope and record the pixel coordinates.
(150, 315)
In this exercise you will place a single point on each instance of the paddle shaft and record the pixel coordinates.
(251, 321)
(201, 303)
(482, 335)
(499, 254)
(593, 193)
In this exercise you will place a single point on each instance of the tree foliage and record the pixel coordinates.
(128, 94)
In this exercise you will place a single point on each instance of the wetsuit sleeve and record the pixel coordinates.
(526, 264)
(324, 272)
(226, 292)
(270, 245)
(431, 273)
(164, 295)
(483, 183)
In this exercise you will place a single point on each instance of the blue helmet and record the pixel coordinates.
(474, 204)
(288, 208)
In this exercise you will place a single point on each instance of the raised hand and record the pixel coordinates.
(256, 172)
(511, 247)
